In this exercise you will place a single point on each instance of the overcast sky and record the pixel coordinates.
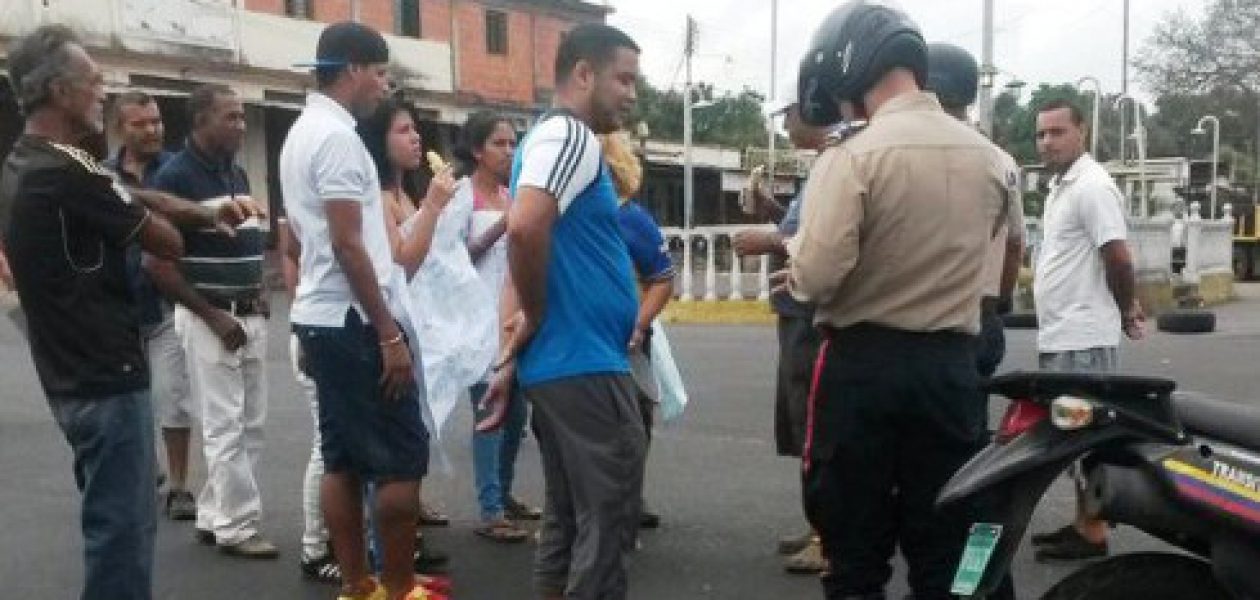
(1036, 41)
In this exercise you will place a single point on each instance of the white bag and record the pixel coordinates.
(673, 395)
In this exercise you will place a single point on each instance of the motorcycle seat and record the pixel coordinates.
(1227, 421)
(1049, 384)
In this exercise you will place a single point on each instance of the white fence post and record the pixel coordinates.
(687, 292)
(763, 278)
(710, 264)
(1194, 246)
(737, 277)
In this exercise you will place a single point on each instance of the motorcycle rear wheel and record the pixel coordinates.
(1141, 576)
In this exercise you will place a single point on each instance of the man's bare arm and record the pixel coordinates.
(482, 244)
(1011, 262)
(157, 236)
(1120, 280)
(168, 280)
(185, 213)
(290, 255)
(652, 301)
(345, 226)
(529, 249)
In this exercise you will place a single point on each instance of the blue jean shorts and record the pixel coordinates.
(361, 431)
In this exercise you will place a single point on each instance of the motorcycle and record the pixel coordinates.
(1184, 468)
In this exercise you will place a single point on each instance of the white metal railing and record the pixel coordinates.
(702, 276)
(1208, 243)
(743, 278)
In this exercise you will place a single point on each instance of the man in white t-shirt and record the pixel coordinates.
(1083, 287)
(369, 415)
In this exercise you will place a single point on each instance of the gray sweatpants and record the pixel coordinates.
(591, 437)
(1101, 359)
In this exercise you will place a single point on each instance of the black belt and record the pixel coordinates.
(860, 334)
(241, 307)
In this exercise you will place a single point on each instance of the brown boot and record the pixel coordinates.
(808, 561)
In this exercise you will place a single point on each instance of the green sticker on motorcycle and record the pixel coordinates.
(979, 549)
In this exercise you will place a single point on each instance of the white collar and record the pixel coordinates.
(323, 102)
(1083, 162)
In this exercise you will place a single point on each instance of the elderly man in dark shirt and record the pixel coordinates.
(67, 225)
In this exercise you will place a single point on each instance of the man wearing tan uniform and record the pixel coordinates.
(954, 77)
(891, 250)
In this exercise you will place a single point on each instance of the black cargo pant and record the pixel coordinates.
(893, 415)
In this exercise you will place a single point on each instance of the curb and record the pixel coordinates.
(719, 312)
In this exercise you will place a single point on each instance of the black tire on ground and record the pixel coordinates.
(1141, 576)
(1187, 321)
(1020, 320)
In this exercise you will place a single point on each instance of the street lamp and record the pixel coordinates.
(988, 78)
(1093, 128)
(1216, 155)
(688, 186)
(1139, 135)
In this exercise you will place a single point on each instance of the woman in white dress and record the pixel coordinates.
(392, 138)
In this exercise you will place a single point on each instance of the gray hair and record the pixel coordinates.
(36, 61)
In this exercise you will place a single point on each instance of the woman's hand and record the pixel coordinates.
(441, 189)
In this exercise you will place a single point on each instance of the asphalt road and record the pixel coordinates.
(724, 496)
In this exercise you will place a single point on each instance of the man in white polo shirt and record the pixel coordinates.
(1083, 286)
(369, 414)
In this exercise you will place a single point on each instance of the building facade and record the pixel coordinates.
(449, 57)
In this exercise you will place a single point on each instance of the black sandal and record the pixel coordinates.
(502, 531)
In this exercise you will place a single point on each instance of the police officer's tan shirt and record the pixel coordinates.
(1012, 229)
(897, 220)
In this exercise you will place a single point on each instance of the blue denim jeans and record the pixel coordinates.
(114, 468)
(494, 453)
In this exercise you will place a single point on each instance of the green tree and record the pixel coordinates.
(1207, 64)
(728, 119)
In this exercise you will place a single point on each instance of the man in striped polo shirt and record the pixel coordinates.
(221, 319)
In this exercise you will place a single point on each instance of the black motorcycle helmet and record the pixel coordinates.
(953, 75)
(856, 45)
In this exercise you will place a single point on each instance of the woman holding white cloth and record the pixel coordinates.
(415, 229)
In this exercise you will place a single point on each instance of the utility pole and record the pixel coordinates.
(987, 72)
(689, 50)
(1124, 75)
(774, 83)
(688, 183)
(1255, 182)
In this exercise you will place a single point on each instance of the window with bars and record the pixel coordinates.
(496, 32)
(407, 16)
(302, 9)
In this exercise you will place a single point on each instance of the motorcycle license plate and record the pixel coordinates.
(976, 554)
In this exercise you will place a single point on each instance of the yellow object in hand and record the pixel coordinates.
(436, 163)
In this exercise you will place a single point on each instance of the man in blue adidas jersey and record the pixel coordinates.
(567, 344)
